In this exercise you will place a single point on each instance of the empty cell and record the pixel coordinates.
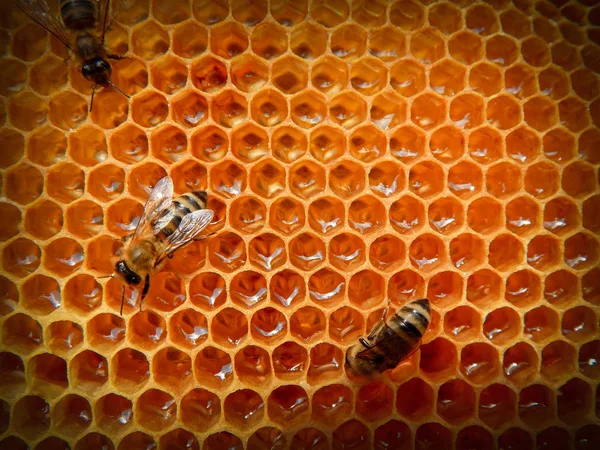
(14, 144)
(268, 325)
(366, 214)
(540, 113)
(129, 144)
(447, 144)
(542, 180)
(387, 43)
(479, 362)
(12, 370)
(189, 109)
(208, 74)
(446, 215)
(588, 144)
(404, 286)
(438, 359)
(199, 410)
(386, 179)
(24, 183)
(426, 179)
(486, 79)
(584, 82)
(113, 413)
(467, 252)
(48, 375)
(388, 110)
(368, 76)
(586, 437)
(306, 251)
(169, 144)
(46, 146)
(267, 178)
(248, 73)
(210, 144)
(290, 361)
(428, 111)
(503, 112)
(111, 109)
(267, 252)
(485, 145)
(374, 401)
(21, 257)
(467, 110)
(267, 437)
(326, 363)
(415, 400)
(106, 182)
(520, 363)
(166, 293)
(306, 179)
(105, 331)
(348, 41)
(288, 405)
(522, 145)
(28, 111)
(268, 108)
(427, 45)
(501, 50)
(227, 251)
(346, 251)
(407, 14)
(516, 439)
(427, 252)
(474, 436)
(22, 333)
(466, 47)
(31, 417)
(463, 324)
(229, 108)
(543, 252)
(308, 109)
(326, 215)
(288, 143)
(553, 82)
(482, 20)
(223, 439)
(345, 325)
(72, 415)
(346, 179)
(247, 215)
(502, 325)
(347, 109)
(590, 286)
(287, 287)
(523, 288)
(63, 336)
(573, 114)
(559, 146)
(286, 215)
(331, 404)
(574, 401)
(243, 408)
(553, 438)
(385, 253)
(188, 328)
(560, 287)
(579, 323)
(558, 360)
(497, 405)
(88, 370)
(447, 78)
(581, 251)
(445, 18)
(352, 433)
(190, 39)
(433, 435)
(484, 215)
(213, 368)
(84, 219)
(147, 329)
(407, 78)
(172, 369)
(63, 256)
(269, 40)
(229, 327)
(228, 39)
(561, 215)
(327, 75)
(506, 252)
(535, 51)
(456, 402)
(130, 369)
(565, 55)
(520, 80)
(367, 144)
(407, 215)
(326, 287)
(156, 409)
(289, 74)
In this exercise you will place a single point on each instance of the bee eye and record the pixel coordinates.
(133, 279)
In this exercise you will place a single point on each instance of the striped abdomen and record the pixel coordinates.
(411, 321)
(78, 15)
(181, 206)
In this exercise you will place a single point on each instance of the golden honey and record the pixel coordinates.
(354, 153)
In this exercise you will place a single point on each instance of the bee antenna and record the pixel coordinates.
(93, 93)
(122, 299)
(106, 276)
(117, 88)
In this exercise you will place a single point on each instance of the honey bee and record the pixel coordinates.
(76, 30)
(391, 340)
(166, 224)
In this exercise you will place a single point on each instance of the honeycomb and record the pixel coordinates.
(354, 153)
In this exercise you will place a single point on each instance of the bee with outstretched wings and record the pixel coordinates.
(76, 29)
(166, 225)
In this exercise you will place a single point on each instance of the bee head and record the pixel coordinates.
(97, 70)
(127, 274)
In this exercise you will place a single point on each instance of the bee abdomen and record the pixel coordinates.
(413, 319)
(183, 205)
(78, 15)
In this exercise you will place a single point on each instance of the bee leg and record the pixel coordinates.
(364, 342)
(122, 299)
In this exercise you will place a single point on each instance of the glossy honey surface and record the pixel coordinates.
(353, 152)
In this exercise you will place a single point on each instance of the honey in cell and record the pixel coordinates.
(355, 154)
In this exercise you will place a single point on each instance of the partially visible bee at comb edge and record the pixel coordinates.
(391, 340)
(166, 225)
(76, 29)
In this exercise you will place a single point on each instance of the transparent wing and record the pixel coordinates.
(38, 11)
(191, 225)
(159, 200)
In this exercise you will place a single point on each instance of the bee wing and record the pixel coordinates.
(159, 200)
(38, 11)
(189, 227)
